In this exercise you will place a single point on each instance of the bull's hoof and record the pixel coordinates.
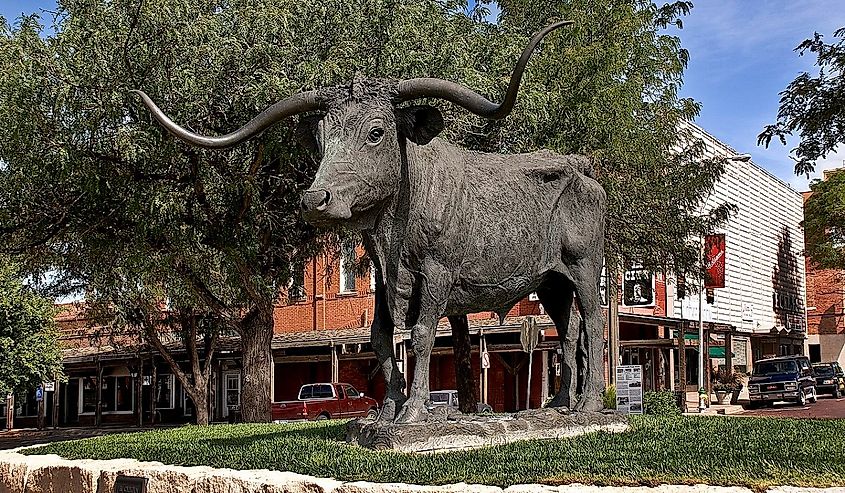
(387, 412)
(558, 400)
(411, 413)
(588, 404)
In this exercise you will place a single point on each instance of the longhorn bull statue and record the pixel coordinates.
(450, 231)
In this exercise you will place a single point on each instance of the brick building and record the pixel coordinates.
(321, 330)
(825, 309)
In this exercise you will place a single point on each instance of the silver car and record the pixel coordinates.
(450, 398)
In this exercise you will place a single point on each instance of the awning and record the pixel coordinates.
(718, 352)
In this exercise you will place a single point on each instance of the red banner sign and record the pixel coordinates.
(714, 261)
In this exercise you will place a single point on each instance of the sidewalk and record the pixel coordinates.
(714, 409)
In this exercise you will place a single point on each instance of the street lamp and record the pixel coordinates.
(701, 382)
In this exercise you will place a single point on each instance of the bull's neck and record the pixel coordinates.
(431, 184)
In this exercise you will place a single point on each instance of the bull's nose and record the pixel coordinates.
(316, 200)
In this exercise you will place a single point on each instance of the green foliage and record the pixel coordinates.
(824, 222)
(814, 107)
(660, 403)
(726, 380)
(754, 452)
(609, 397)
(92, 188)
(29, 349)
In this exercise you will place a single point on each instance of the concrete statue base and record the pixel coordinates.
(447, 429)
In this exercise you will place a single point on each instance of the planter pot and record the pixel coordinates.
(735, 395)
(721, 395)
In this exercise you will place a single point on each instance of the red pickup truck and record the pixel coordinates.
(326, 401)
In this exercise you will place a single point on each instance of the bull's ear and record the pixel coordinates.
(306, 134)
(420, 123)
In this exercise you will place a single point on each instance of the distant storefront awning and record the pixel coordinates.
(718, 352)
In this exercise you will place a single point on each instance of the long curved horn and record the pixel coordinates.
(298, 103)
(469, 99)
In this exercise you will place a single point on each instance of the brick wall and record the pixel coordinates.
(825, 296)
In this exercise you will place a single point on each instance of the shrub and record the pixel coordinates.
(725, 380)
(660, 403)
(609, 397)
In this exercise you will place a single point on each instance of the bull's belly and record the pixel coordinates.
(468, 297)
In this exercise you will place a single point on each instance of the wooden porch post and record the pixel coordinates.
(139, 393)
(335, 364)
(98, 412)
(153, 390)
(682, 357)
(729, 345)
(56, 394)
(10, 411)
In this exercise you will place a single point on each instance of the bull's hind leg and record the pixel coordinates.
(585, 276)
(556, 294)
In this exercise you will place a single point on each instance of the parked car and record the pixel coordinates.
(785, 378)
(830, 379)
(450, 398)
(326, 401)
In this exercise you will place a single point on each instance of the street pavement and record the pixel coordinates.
(826, 408)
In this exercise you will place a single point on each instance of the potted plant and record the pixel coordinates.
(726, 383)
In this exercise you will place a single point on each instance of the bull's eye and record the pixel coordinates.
(375, 136)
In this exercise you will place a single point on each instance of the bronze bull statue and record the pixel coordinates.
(451, 231)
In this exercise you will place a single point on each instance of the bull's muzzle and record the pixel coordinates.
(315, 201)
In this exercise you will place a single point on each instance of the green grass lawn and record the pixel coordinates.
(755, 452)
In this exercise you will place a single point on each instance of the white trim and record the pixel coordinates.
(89, 413)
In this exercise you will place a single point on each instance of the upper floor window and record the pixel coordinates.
(296, 288)
(347, 267)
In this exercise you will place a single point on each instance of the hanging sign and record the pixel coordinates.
(714, 261)
(638, 287)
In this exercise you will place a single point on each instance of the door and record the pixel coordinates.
(232, 393)
(354, 402)
(71, 411)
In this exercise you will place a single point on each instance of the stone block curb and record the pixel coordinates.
(53, 474)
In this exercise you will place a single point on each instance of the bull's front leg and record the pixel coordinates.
(381, 336)
(434, 282)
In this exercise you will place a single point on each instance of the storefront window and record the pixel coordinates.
(89, 394)
(108, 394)
(164, 392)
(122, 394)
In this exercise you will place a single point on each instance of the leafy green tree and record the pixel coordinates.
(824, 222)
(92, 188)
(29, 347)
(608, 87)
(813, 106)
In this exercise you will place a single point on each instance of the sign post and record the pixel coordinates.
(529, 336)
(629, 389)
(39, 398)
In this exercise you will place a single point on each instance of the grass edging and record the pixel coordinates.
(751, 452)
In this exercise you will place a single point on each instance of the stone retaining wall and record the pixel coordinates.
(52, 474)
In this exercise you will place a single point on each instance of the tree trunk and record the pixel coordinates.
(256, 336)
(462, 349)
(200, 399)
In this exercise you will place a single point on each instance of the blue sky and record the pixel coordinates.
(740, 58)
